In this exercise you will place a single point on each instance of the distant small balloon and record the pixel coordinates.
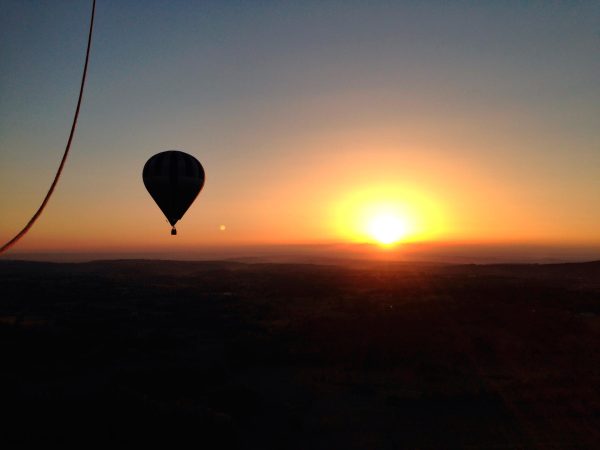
(174, 179)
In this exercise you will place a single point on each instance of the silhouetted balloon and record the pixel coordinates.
(173, 179)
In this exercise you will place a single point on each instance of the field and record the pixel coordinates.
(301, 356)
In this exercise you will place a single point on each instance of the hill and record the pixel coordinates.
(354, 355)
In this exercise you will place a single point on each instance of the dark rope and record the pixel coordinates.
(24, 231)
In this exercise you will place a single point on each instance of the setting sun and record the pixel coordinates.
(387, 228)
(388, 214)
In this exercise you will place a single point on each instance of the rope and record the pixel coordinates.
(24, 231)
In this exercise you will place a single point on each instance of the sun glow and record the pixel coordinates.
(387, 228)
(388, 215)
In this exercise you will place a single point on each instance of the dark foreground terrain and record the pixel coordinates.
(282, 356)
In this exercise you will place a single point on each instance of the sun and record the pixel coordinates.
(387, 228)
(387, 215)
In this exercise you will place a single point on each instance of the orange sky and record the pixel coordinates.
(471, 132)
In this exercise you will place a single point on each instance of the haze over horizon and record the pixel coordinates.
(468, 123)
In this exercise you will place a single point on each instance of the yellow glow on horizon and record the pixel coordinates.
(388, 215)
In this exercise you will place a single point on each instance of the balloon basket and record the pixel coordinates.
(173, 232)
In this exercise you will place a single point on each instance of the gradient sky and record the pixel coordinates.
(480, 119)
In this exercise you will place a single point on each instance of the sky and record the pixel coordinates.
(469, 121)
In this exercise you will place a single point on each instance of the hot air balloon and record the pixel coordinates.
(173, 179)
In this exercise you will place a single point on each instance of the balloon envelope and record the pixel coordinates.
(173, 179)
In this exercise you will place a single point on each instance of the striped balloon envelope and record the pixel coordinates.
(174, 179)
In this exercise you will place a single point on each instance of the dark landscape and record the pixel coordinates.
(356, 355)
